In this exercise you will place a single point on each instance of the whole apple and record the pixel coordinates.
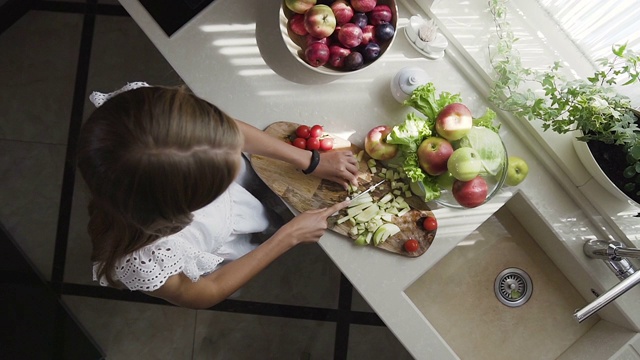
(470, 193)
(376, 145)
(296, 24)
(337, 55)
(454, 121)
(380, 14)
(464, 163)
(320, 21)
(350, 35)
(433, 154)
(363, 5)
(317, 54)
(299, 6)
(342, 11)
(517, 171)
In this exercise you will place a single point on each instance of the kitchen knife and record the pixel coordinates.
(368, 190)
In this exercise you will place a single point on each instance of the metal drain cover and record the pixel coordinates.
(513, 287)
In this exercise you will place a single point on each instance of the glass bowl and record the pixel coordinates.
(494, 184)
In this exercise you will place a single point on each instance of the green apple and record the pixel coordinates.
(299, 6)
(517, 171)
(464, 164)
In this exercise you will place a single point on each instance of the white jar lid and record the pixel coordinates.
(406, 80)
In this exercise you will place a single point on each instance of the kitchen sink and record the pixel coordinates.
(498, 295)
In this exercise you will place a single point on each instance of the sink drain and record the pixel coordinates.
(513, 287)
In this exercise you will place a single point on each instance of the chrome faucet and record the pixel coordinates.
(616, 255)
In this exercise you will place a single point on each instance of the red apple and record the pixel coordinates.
(320, 21)
(312, 39)
(454, 121)
(470, 193)
(380, 14)
(317, 54)
(342, 11)
(368, 34)
(299, 6)
(350, 35)
(433, 154)
(337, 54)
(376, 145)
(363, 5)
(296, 24)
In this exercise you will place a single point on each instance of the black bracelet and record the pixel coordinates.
(315, 160)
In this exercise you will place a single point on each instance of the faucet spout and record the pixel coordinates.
(606, 298)
(615, 255)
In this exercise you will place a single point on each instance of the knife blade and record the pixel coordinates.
(369, 189)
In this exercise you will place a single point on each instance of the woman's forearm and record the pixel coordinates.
(260, 143)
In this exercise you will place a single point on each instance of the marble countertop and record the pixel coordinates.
(233, 55)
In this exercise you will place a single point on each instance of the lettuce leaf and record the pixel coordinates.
(411, 132)
(423, 99)
(408, 136)
(431, 188)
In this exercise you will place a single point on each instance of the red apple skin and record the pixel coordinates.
(376, 145)
(296, 24)
(470, 193)
(363, 5)
(317, 54)
(337, 54)
(454, 121)
(380, 14)
(342, 11)
(319, 21)
(311, 39)
(299, 6)
(350, 35)
(368, 34)
(433, 154)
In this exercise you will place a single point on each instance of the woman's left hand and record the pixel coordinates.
(338, 166)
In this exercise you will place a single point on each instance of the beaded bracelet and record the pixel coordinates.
(315, 160)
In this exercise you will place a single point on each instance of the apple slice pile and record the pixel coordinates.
(342, 34)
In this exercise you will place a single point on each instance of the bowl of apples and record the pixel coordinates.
(336, 37)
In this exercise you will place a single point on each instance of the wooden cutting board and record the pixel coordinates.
(306, 192)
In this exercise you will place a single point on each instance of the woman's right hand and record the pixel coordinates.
(310, 225)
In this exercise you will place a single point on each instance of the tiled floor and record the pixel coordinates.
(52, 58)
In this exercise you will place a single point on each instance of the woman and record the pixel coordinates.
(165, 212)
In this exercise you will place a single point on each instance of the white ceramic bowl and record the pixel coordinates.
(296, 43)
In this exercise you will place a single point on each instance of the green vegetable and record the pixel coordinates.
(486, 120)
(424, 100)
(411, 132)
(488, 145)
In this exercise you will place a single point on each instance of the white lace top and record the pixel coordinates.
(220, 231)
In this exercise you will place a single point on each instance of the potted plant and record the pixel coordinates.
(601, 117)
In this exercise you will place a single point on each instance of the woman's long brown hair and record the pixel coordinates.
(150, 157)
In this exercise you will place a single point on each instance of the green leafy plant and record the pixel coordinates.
(591, 106)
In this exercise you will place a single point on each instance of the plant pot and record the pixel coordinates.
(606, 163)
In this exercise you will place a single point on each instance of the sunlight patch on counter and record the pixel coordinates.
(228, 27)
